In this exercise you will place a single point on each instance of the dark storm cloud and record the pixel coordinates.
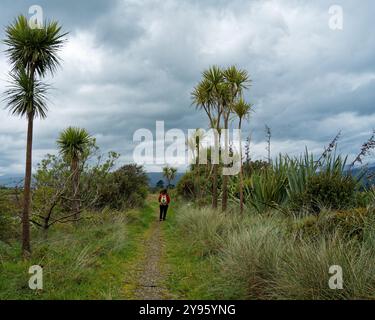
(129, 63)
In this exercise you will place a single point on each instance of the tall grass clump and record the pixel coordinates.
(304, 271)
(205, 228)
(250, 257)
(273, 256)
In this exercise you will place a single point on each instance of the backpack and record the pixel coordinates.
(164, 200)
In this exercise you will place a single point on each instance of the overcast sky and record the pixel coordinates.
(128, 63)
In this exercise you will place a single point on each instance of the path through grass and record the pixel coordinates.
(146, 275)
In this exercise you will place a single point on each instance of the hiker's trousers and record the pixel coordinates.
(163, 212)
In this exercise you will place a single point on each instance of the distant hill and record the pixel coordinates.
(154, 177)
(370, 172)
(12, 180)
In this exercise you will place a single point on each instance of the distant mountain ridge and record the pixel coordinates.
(11, 181)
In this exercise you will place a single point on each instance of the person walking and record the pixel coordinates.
(164, 200)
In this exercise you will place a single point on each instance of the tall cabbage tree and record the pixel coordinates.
(242, 110)
(206, 96)
(32, 53)
(235, 81)
(73, 144)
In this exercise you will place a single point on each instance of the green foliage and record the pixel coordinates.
(127, 187)
(294, 183)
(272, 256)
(86, 261)
(100, 187)
(301, 182)
(365, 198)
(26, 96)
(266, 189)
(75, 143)
(254, 166)
(350, 224)
(34, 47)
(186, 186)
(169, 173)
(299, 171)
(52, 194)
(327, 190)
(9, 221)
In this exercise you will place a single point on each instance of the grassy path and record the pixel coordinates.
(111, 255)
(147, 273)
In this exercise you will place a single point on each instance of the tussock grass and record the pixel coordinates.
(265, 256)
(206, 228)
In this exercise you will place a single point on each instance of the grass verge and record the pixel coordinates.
(265, 256)
(88, 261)
(193, 271)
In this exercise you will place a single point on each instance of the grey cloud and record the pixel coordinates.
(130, 63)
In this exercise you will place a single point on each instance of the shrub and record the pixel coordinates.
(186, 186)
(334, 191)
(348, 223)
(125, 188)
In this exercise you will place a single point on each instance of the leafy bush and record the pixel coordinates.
(186, 186)
(198, 187)
(327, 190)
(349, 224)
(127, 187)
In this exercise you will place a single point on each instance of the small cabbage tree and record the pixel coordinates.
(73, 144)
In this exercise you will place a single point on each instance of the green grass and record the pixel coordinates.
(265, 256)
(88, 261)
(209, 255)
(194, 272)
